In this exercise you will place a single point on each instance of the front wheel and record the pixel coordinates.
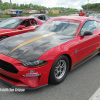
(59, 70)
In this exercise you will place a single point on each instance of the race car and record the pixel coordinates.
(93, 15)
(17, 25)
(42, 17)
(34, 59)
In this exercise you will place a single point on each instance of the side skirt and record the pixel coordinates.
(85, 60)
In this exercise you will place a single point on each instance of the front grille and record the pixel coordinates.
(8, 67)
(9, 78)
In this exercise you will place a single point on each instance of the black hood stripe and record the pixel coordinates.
(31, 40)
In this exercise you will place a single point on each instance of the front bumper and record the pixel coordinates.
(21, 87)
(24, 79)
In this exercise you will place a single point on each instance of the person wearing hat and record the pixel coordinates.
(81, 13)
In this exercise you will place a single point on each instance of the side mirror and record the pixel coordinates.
(20, 27)
(87, 33)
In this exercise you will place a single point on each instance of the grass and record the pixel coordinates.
(93, 11)
(61, 14)
(5, 16)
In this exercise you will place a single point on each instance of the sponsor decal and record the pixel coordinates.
(11, 90)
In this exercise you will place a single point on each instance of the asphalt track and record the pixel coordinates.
(80, 84)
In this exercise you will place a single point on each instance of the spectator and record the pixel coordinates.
(87, 14)
(81, 13)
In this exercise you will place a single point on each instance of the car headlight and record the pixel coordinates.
(37, 63)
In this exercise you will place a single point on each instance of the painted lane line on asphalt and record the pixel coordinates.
(96, 95)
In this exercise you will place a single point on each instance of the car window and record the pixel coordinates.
(33, 22)
(26, 23)
(11, 23)
(46, 17)
(89, 26)
(41, 17)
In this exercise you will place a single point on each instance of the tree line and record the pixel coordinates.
(89, 6)
(6, 5)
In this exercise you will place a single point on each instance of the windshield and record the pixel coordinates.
(68, 28)
(10, 23)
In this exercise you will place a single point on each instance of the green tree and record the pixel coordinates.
(26, 6)
(1, 2)
(22, 6)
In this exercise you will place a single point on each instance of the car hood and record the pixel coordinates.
(31, 45)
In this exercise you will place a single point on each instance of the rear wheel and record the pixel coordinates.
(59, 70)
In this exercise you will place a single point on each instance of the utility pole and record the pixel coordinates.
(88, 5)
(10, 5)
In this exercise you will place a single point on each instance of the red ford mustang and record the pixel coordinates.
(17, 25)
(61, 44)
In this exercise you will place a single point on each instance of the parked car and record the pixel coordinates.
(93, 15)
(34, 59)
(2, 19)
(97, 17)
(17, 25)
(42, 17)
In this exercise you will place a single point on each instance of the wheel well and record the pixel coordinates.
(3, 36)
(70, 61)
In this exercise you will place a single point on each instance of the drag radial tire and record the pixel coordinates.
(59, 70)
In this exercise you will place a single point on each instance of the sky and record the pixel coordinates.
(55, 3)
